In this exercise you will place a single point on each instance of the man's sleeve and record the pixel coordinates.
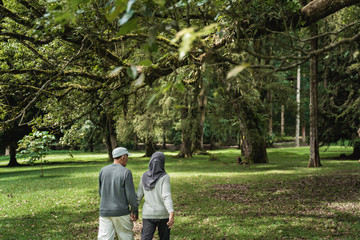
(130, 192)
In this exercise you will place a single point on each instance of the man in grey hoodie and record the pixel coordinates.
(117, 192)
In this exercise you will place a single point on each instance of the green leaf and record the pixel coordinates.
(151, 99)
(116, 10)
(160, 2)
(128, 27)
(64, 17)
(126, 17)
(145, 62)
(132, 72)
(166, 87)
(180, 86)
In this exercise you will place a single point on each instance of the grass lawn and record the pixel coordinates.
(213, 199)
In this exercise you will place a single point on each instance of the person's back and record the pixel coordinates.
(113, 187)
(157, 200)
(117, 192)
(158, 211)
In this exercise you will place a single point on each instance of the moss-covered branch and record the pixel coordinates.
(52, 73)
(7, 13)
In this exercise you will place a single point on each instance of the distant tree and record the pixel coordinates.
(35, 146)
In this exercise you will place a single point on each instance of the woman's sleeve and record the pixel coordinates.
(166, 194)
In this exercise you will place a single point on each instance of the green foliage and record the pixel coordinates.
(189, 36)
(35, 146)
(79, 60)
(340, 99)
(82, 135)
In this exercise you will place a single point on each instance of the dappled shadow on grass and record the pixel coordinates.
(326, 205)
(334, 187)
(34, 173)
(56, 223)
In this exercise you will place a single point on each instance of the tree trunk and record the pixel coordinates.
(185, 147)
(149, 147)
(356, 152)
(186, 143)
(198, 145)
(282, 124)
(303, 134)
(297, 133)
(12, 153)
(164, 139)
(110, 135)
(7, 151)
(314, 160)
(253, 144)
(136, 145)
(213, 142)
(254, 147)
(270, 114)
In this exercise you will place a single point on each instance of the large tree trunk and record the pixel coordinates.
(185, 147)
(186, 142)
(149, 147)
(356, 152)
(198, 144)
(254, 147)
(253, 144)
(12, 153)
(110, 135)
(314, 160)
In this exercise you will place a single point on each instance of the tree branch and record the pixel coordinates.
(24, 37)
(7, 13)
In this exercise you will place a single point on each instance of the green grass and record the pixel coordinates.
(213, 199)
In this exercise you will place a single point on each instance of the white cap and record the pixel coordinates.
(119, 151)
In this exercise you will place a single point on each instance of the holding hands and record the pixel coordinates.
(134, 217)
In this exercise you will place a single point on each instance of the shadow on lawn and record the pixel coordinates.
(56, 223)
(326, 205)
(51, 169)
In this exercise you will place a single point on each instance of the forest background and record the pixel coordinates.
(186, 73)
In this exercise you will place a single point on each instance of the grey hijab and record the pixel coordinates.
(155, 172)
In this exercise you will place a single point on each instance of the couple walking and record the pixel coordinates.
(117, 192)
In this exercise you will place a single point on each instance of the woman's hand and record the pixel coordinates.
(170, 223)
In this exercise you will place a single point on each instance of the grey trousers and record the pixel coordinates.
(149, 227)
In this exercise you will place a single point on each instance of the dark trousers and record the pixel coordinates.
(149, 227)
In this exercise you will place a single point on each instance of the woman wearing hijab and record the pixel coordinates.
(158, 208)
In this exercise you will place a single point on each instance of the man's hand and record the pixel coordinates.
(134, 217)
(170, 223)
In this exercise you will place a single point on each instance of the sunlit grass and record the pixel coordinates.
(218, 199)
